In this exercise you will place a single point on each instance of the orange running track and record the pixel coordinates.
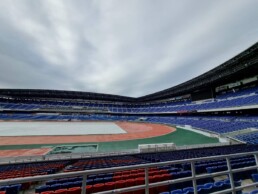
(134, 131)
(24, 152)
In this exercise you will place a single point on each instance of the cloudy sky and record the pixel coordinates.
(124, 47)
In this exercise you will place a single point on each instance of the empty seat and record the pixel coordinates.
(207, 188)
(61, 191)
(188, 190)
(218, 185)
(66, 185)
(13, 189)
(178, 191)
(55, 187)
(74, 190)
(98, 187)
(117, 178)
(140, 181)
(98, 180)
(166, 176)
(47, 192)
(2, 188)
(255, 177)
(152, 179)
(41, 189)
(77, 184)
(89, 188)
(51, 182)
(119, 184)
(130, 182)
(109, 186)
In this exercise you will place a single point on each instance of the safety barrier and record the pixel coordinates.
(50, 157)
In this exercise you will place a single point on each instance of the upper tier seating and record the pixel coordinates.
(234, 93)
(245, 97)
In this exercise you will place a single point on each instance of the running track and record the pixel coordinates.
(134, 131)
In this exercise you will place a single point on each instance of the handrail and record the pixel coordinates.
(194, 177)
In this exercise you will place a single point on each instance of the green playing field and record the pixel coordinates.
(179, 137)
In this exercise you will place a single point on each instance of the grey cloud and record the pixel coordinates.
(128, 48)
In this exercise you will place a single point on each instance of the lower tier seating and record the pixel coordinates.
(122, 179)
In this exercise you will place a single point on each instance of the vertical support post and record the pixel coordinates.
(84, 180)
(231, 178)
(146, 180)
(193, 177)
(256, 160)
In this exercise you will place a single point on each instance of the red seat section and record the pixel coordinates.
(109, 186)
(140, 181)
(74, 190)
(119, 184)
(129, 183)
(31, 169)
(61, 191)
(167, 177)
(89, 188)
(98, 188)
(47, 192)
(117, 178)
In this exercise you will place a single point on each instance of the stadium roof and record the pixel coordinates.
(244, 64)
(62, 94)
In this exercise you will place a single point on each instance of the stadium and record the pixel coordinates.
(197, 137)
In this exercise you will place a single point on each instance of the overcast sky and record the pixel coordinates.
(124, 47)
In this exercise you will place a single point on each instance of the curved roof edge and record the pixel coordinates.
(243, 60)
(63, 94)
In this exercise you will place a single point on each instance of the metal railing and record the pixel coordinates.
(148, 185)
(52, 157)
(85, 155)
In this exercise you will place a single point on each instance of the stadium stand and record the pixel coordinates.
(222, 101)
(240, 98)
(251, 138)
(23, 170)
(219, 124)
(122, 179)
